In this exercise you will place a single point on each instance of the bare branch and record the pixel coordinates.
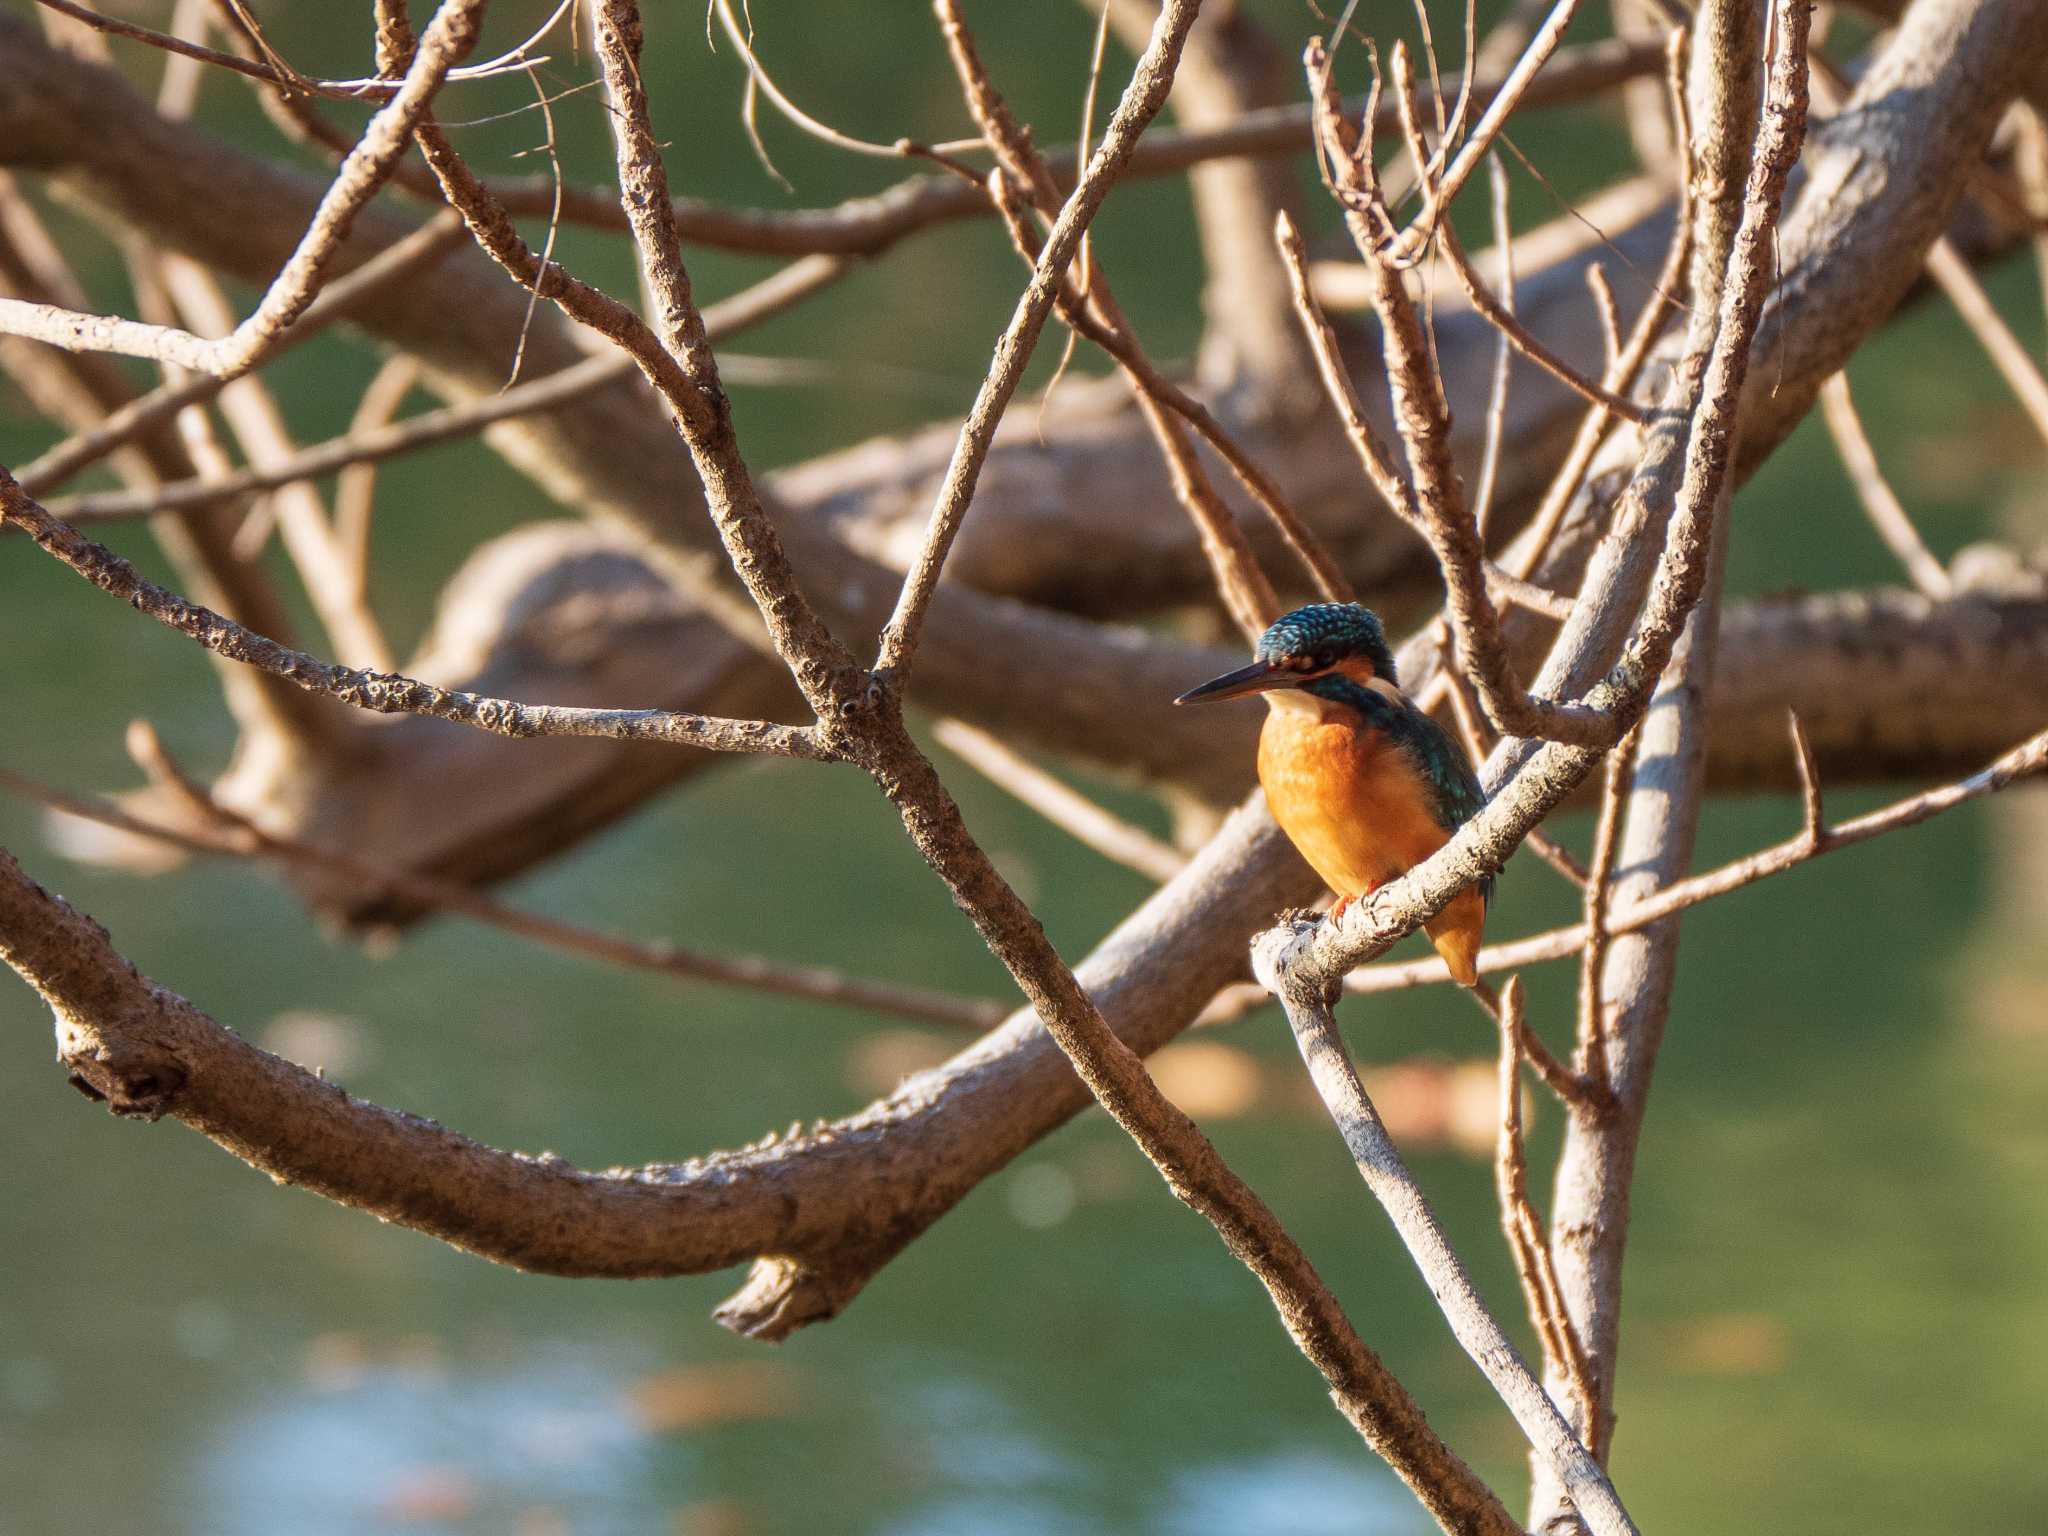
(1595, 1057)
(355, 492)
(346, 90)
(1231, 71)
(1096, 314)
(450, 36)
(1886, 513)
(385, 692)
(214, 829)
(393, 264)
(1247, 594)
(2027, 760)
(2014, 362)
(1367, 1395)
(1513, 89)
(867, 225)
(1140, 103)
(1813, 825)
(1429, 498)
(1115, 339)
(252, 414)
(727, 318)
(1387, 1176)
(1066, 808)
(1525, 342)
(1503, 357)
(1543, 777)
(1562, 1352)
(148, 1052)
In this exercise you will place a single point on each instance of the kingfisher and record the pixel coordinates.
(1363, 783)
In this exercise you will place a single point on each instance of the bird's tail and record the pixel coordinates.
(1456, 932)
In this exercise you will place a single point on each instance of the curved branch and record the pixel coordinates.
(147, 1053)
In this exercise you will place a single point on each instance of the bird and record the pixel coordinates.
(1363, 783)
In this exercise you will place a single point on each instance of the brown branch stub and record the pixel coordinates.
(1595, 1049)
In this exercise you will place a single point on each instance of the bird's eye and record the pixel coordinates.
(1324, 659)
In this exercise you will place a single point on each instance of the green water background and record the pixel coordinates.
(1835, 1296)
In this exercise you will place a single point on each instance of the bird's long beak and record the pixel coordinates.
(1259, 677)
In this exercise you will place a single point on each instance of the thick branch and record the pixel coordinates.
(148, 1052)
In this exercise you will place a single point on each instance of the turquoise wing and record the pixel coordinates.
(1455, 795)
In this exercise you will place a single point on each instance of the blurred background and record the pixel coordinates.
(1837, 1297)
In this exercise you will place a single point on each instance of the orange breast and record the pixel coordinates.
(1346, 797)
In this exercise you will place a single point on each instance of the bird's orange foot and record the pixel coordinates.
(1343, 903)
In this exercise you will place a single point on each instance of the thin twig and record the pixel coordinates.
(385, 692)
(345, 90)
(258, 424)
(1140, 103)
(1621, 377)
(1247, 592)
(758, 77)
(1059, 803)
(355, 491)
(1438, 197)
(450, 36)
(394, 264)
(865, 226)
(727, 318)
(76, 390)
(1429, 497)
(1569, 1087)
(1813, 814)
(216, 830)
(1595, 1050)
(2027, 760)
(1503, 354)
(2015, 363)
(1884, 509)
(1563, 1352)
